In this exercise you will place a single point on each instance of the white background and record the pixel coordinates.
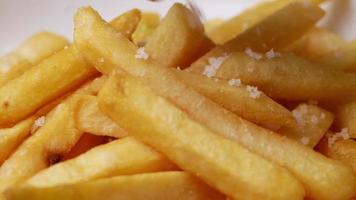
(20, 18)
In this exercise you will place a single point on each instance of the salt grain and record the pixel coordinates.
(235, 82)
(214, 64)
(141, 53)
(254, 92)
(305, 140)
(252, 54)
(271, 54)
(299, 113)
(314, 119)
(343, 134)
(38, 123)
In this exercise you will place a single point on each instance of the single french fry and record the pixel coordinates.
(86, 142)
(11, 138)
(266, 35)
(90, 119)
(183, 37)
(262, 110)
(344, 59)
(232, 169)
(11, 66)
(148, 23)
(317, 44)
(47, 146)
(119, 157)
(322, 178)
(127, 23)
(236, 25)
(149, 186)
(345, 117)
(41, 84)
(312, 124)
(40, 46)
(287, 77)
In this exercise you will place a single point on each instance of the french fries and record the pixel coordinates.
(262, 110)
(90, 119)
(10, 138)
(345, 117)
(312, 124)
(183, 36)
(148, 23)
(338, 181)
(11, 66)
(126, 23)
(287, 77)
(265, 35)
(241, 174)
(231, 28)
(119, 157)
(177, 186)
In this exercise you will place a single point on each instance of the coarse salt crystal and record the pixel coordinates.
(314, 119)
(299, 113)
(39, 122)
(235, 82)
(214, 65)
(343, 134)
(141, 53)
(271, 54)
(252, 54)
(305, 140)
(254, 92)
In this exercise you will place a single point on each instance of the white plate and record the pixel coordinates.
(21, 18)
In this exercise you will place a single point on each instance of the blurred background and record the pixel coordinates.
(20, 18)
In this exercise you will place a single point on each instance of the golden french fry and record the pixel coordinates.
(344, 151)
(345, 117)
(119, 157)
(40, 46)
(86, 142)
(41, 84)
(90, 119)
(126, 23)
(232, 169)
(266, 35)
(179, 39)
(312, 124)
(316, 44)
(148, 23)
(11, 66)
(344, 59)
(249, 18)
(287, 77)
(261, 110)
(322, 178)
(177, 186)
(211, 24)
(10, 138)
(55, 137)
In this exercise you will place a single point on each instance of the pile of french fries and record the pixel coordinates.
(260, 106)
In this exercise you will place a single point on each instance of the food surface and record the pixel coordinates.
(261, 106)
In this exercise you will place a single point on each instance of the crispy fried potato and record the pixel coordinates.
(316, 44)
(266, 35)
(232, 169)
(11, 66)
(177, 186)
(344, 59)
(119, 157)
(90, 119)
(262, 110)
(40, 46)
(312, 124)
(249, 18)
(11, 138)
(287, 77)
(41, 84)
(126, 23)
(49, 143)
(344, 151)
(86, 142)
(345, 117)
(211, 24)
(322, 178)
(148, 23)
(179, 38)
